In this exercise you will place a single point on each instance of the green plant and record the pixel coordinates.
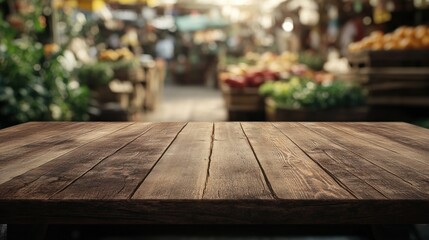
(125, 64)
(313, 60)
(34, 86)
(302, 93)
(95, 75)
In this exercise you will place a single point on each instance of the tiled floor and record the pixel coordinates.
(188, 103)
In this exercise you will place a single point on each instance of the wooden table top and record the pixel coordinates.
(195, 172)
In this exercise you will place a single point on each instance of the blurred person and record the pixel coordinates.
(164, 49)
(114, 41)
(352, 31)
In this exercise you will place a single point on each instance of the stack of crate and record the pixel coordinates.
(243, 104)
(397, 82)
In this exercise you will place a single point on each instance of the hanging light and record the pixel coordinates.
(288, 24)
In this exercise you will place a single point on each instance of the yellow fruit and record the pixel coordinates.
(376, 35)
(415, 43)
(392, 45)
(409, 32)
(421, 31)
(377, 46)
(387, 38)
(405, 44)
(425, 41)
(400, 32)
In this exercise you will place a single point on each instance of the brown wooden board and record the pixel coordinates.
(215, 173)
(291, 173)
(44, 150)
(119, 175)
(234, 171)
(181, 173)
(44, 181)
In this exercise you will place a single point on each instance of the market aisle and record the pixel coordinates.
(188, 103)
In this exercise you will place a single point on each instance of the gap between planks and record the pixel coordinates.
(98, 163)
(212, 139)
(338, 181)
(366, 159)
(48, 158)
(273, 194)
(156, 162)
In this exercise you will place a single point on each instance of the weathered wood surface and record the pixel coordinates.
(214, 173)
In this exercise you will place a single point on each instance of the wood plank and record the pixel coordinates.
(181, 173)
(362, 178)
(422, 101)
(414, 171)
(291, 173)
(410, 135)
(377, 166)
(234, 172)
(15, 137)
(118, 176)
(215, 211)
(36, 154)
(386, 142)
(46, 180)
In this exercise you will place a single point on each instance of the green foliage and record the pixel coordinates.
(125, 64)
(301, 93)
(312, 60)
(32, 86)
(96, 74)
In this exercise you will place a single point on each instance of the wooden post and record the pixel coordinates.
(54, 23)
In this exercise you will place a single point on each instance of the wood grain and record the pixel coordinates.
(182, 171)
(408, 170)
(403, 133)
(44, 181)
(119, 175)
(234, 172)
(36, 154)
(359, 176)
(32, 132)
(292, 174)
(214, 173)
(387, 142)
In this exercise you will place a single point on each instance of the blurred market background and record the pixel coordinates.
(214, 60)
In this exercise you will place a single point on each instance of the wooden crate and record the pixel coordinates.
(246, 99)
(275, 113)
(393, 78)
(391, 58)
(243, 104)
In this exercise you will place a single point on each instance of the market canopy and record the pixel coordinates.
(192, 23)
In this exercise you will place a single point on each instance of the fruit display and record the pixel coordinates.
(403, 38)
(249, 79)
(114, 55)
(305, 93)
(256, 69)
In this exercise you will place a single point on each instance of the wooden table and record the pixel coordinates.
(193, 172)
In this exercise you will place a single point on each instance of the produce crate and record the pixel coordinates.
(275, 113)
(398, 78)
(243, 104)
(391, 58)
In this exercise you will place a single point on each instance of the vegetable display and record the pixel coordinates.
(255, 69)
(304, 93)
(402, 38)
